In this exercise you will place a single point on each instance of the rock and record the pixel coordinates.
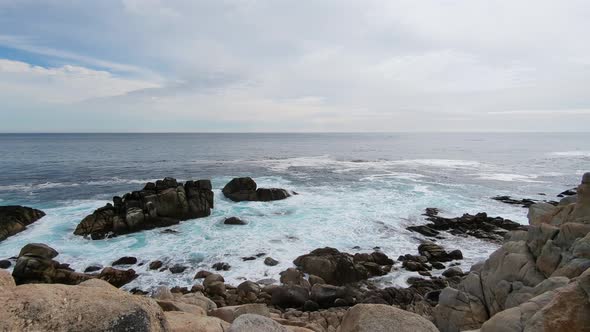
(197, 299)
(155, 265)
(93, 305)
(127, 260)
(256, 323)
(211, 278)
(93, 268)
(537, 212)
(221, 266)
(383, 318)
(249, 287)
(269, 261)
(245, 189)
(117, 278)
(163, 293)
(185, 322)
(6, 280)
(39, 250)
(15, 219)
(289, 296)
(180, 306)
(202, 274)
(234, 221)
(338, 268)
(480, 226)
(215, 288)
(176, 269)
(230, 313)
(453, 272)
(293, 276)
(569, 192)
(311, 306)
(525, 203)
(424, 230)
(4, 264)
(325, 295)
(313, 279)
(162, 204)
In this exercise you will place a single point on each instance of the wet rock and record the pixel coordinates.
(525, 203)
(211, 279)
(234, 221)
(310, 305)
(424, 230)
(325, 295)
(176, 269)
(4, 264)
(127, 260)
(93, 268)
(155, 265)
(15, 219)
(221, 266)
(269, 261)
(117, 278)
(159, 204)
(251, 258)
(290, 296)
(245, 189)
(453, 272)
(202, 274)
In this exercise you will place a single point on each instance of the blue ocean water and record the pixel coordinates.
(355, 190)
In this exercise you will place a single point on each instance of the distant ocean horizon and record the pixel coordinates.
(355, 189)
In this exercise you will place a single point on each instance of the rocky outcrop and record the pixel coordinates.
(521, 279)
(383, 318)
(245, 189)
(480, 226)
(94, 305)
(339, 268)
(160, 204)
(15, 219)
(524, 202)
(35, 264)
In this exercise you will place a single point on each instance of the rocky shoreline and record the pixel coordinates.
(538, 280)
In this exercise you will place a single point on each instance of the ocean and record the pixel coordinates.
(354, 190)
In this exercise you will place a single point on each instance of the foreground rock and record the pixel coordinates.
(480, 226)
(245, 189)
(160, 204)
(339, 268)
(35, 264)
(15, 219)
(539, 280)
(383, 318)
(94, 305)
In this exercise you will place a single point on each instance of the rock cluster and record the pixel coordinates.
(246, 189)
(480, 226)
(15, 219)
(431, 255)
(160, 204)
(524, 202)
(539, 280)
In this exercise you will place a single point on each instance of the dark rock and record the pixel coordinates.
(92, 268)
(325, 295)
(270, 261)
(569, 192)
(155, 265)
(456, 254)
(179, 290)
(138, 291)
(453, 272)
(525, 203)
(162, 204)
(4, 264)
(247, 288)
(39, 250)
(211, 279)
(245, 189)
(251, 258)
(15, 219)
(424, 230)
(437, 265)
(293, 276)
(313, 279)
(127, 260)
(177, 269)
(289, 296)
(202, 274)
(234, 221)
(221, 266)
(310, 305)
(116, 277)
(169, 231)
(197, 288)
(215, 288)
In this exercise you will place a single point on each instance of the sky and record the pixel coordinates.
(294, 66)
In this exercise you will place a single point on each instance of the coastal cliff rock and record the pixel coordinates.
(94, 305)
(245, 189)
(35, 264)
(521, 286)
(160, 204)
(383, 318)
(15, 219)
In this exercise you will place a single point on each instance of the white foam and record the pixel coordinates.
(507, 177)
(38, 186)
(576, 153)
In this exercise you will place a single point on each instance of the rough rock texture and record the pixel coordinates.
(35, 264)
(256, 323)
(159, 204)
(185, 322)
(525, 202)
(245, 189)
(230, 313)
(338, 268)
(15, 219)
(383, 318)
(516, 281)
(94, 305)
(480, 226)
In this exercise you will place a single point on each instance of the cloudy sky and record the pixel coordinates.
(322, 65)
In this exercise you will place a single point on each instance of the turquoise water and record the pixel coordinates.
(355, 190)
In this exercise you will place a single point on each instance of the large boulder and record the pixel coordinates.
(15, 219)
(383, 318)
(230, 313)
(160, 204)
(339, 268)
(93, 305)
(256, 323)
(186, 322)
(245, 189)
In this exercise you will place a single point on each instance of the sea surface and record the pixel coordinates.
(354, 190)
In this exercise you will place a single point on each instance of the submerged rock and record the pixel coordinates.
(15, 219)
(245, 189)
(159, 204)
(234, 221)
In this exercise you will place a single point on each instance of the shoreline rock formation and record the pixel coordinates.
(160, 204)
(539, 280)
(15, 219)
(246, 189)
